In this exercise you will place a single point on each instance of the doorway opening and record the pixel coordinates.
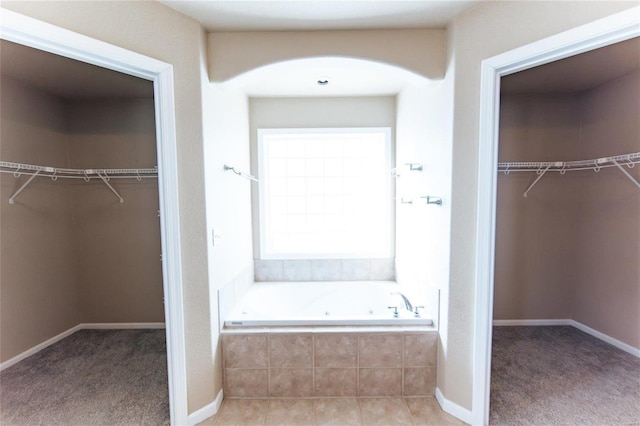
(29, 32)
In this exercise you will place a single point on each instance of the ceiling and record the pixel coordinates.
(285, 15)
(577, 73)
(67, 78)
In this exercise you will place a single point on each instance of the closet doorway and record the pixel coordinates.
(48, 130)
(567, 277)
(610, 30)
(80, 216)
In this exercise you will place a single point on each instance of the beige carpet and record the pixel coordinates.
(93, 377)
(561, 376)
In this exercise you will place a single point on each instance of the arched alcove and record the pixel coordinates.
(231, 54)
(287, 95)
(344, 76)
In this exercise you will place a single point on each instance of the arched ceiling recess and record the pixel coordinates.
(343, 76)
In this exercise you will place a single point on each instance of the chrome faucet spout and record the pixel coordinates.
(405, 299)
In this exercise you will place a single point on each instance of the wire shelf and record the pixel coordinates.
(55, 173)
(622, 162)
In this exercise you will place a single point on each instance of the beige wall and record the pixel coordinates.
(38, 272)
(226, 127)
(155, 30)
(423, 136)
(607, 291)
(233, 53)
(117, 244)
(536, 236)
(482, 32)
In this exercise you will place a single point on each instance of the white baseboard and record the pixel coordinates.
(120, 325)
(37, 348)
(595, 333)
(84, 326)
(532, 322)
(452, 408)
(207, 411)
(611, 340)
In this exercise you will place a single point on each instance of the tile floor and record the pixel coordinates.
(331, 411)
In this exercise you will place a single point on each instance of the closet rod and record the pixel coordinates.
(18, 169)
(542, 167)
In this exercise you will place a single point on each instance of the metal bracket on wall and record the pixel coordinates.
(430, 199)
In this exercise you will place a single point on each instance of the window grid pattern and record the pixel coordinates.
(325, 192)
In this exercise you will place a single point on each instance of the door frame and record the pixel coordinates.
(612, 29)
(30, 32)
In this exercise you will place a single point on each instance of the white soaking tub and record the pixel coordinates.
(335, 303)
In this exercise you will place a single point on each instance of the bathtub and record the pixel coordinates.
(336, 303)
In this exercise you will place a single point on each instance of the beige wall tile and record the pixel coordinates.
(380, 350)
(244, 412)
(268, 270)
(385, 412)
(326, 270)
(290, 350)
(290, 382)
(420, 350)
(297, 270)
(298, 412)
(419, 381)
(245, 382)
(355, 269)
(336, 350)
(427, 411)
(382, 269)
(380, 382)
(335, 382)
(244, 350)
(337, 412)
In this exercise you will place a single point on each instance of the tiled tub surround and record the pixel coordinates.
(233, 291)
(325, 270)
(302, 365)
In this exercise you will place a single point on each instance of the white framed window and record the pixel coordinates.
(325, 193)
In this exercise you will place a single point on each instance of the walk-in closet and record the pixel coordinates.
(566, 336)
(82, 337)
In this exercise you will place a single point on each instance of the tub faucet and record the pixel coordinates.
(407, 304)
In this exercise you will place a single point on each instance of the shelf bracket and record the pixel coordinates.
(110, 187)
(24, 185)
(627, 174)
(536, 181)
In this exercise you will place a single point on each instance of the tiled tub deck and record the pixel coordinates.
(301, 365)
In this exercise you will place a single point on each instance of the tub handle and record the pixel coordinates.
(416, 311)
(395, 310)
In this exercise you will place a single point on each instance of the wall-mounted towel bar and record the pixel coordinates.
(239, 173)
(596, 164)
(55, 173)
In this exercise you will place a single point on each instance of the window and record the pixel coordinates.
(325, 193)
